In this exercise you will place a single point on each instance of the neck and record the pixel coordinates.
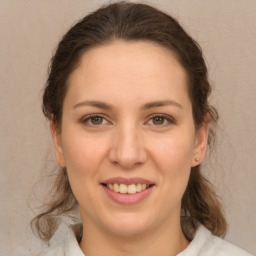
(166, 241)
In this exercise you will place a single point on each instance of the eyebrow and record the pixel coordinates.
(97, 104)
(160, 104)
(103, 105)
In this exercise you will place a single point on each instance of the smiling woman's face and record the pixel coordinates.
(127, 119)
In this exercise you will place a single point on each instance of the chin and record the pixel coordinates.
(128, 225)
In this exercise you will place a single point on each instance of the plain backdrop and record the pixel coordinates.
(30, 29)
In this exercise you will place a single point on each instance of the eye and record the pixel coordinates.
(161, 120)
(158, 120)
(95, 120)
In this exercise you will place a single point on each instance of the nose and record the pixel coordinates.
(127, 149)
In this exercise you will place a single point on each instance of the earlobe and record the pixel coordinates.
(200, 144)
(58, 151)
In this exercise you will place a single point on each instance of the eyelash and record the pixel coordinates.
(167, 118)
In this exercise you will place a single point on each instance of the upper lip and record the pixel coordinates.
(127, 181)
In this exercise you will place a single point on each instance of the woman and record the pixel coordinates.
(127, 101)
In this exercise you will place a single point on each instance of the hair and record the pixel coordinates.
(132, 22)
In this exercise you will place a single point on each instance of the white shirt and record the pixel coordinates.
(203, 244)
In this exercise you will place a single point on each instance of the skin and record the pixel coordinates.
(129, 142)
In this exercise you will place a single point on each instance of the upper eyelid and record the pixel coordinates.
(104, 115)
(168, 117)
(159, 114)
(93, 115)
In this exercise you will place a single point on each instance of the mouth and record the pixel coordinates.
(127, 189)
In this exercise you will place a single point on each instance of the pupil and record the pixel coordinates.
(97, 120)
(158, 120)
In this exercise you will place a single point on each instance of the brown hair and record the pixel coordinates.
(132, 22)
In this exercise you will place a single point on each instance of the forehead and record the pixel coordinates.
(135, 70)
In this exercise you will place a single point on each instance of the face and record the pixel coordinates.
(128, 138)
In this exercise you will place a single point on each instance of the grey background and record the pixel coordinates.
(30, 29)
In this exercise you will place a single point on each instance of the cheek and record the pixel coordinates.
(173, 159)
(83, 155)
(176, 173)
(174, 152)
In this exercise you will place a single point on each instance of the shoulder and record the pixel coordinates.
(204, 243)
(54, 251)
(68, 247)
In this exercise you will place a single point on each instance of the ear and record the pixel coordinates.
(58, 151)
(200, 145)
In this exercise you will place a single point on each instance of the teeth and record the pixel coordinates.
(116, 187)
(132, 189)
(138, 188)
(127, 189)
(123, 188)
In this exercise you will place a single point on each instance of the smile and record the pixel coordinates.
(127, 189)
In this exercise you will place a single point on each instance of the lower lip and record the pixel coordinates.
(128, 198)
